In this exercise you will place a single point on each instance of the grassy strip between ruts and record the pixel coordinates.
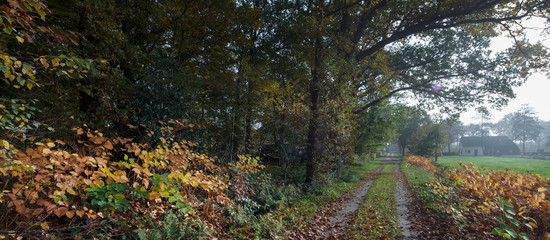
(377, 216)
(541, 167)
(297, 212)
(303, 210)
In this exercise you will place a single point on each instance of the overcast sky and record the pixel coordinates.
(535, 91)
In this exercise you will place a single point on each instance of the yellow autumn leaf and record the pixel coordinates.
(154, 195)
(46, 151)
(45, 226)
(541, 189)
(71, 191)
(50, 144)
(44, 63)
(55, 61)
(5, 144)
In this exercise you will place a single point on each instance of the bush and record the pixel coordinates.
(171, 226)
(478, 198)
(422, 162)
(51, 189)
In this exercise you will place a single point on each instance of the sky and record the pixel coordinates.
(535, 91)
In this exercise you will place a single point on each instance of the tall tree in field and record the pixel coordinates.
(525, 125)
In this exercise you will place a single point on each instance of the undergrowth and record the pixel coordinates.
(292, 209)
(473, 199)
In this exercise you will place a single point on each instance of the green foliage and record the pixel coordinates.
(509, 223)
(429, 140)
(378, 126)
(112, 196)
(172, 226)
(418, 181)
(307, 79)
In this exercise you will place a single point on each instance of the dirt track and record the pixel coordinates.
(332, 220)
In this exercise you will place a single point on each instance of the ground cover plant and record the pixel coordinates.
(377, 217)
(537, 166)
(479, 193)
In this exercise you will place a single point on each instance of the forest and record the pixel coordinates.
(198, 119)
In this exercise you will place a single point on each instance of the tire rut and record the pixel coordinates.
(403, 197)
(335, 217)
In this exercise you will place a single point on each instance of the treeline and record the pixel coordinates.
(522, 126)
(160, 102)
(296, 82)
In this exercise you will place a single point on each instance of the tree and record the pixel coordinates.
(410, 127)
(378, 49)
(455, 130)
(429, 140)
(379, 126)
(504, 126)
(476, 130)
(525, 125)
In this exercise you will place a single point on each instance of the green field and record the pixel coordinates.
(541, 167)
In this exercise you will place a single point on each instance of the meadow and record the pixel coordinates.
(541, 167)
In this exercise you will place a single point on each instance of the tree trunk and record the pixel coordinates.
(314, 112)
(88, 103)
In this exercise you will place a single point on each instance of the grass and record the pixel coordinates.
(377, 217)
(298, 209)
(541, 167)
(303, 210)
(417, 180)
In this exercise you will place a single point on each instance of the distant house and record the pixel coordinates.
(487, 146)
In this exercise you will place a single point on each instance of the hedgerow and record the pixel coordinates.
(480, 196)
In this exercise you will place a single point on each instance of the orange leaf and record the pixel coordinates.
(70, 214)
(108, 145)
(37, 211)
(79, 213)
(60, 211)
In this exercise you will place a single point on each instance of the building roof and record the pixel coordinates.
(489, 141)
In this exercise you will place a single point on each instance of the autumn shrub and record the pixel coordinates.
(53, 189)
(422, 162)
(256, 196)
(475, 195)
